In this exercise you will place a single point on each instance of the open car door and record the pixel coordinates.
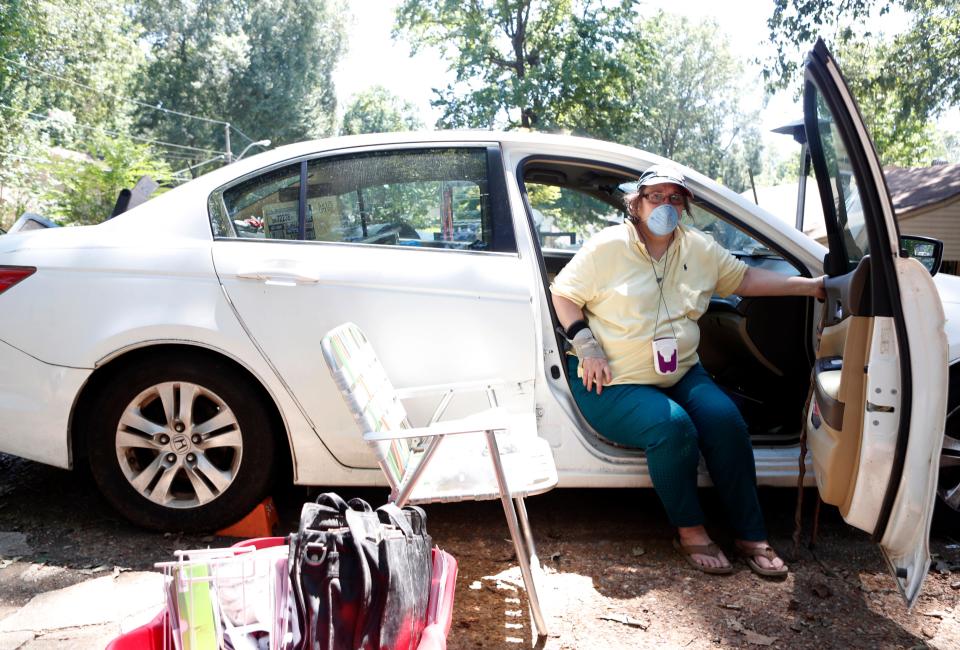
(875, 426)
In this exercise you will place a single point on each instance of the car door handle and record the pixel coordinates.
(280, 272)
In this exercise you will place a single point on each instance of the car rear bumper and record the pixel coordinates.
(35, 403)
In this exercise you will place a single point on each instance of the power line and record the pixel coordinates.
(115, 133)
(249, 139)
(126, 99)
(109, 132)
(199, 164)
(22, 157)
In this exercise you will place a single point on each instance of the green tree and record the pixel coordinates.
(949, 149)
(377, 110)
(73, 58)
(901, 81)
(903, 133)
(65, 69)
(21, 177)
(77, 56)
(194, 51)
(264, 67)
(84, 192)
(21, 30)
(691, 102)
(286, 92)
(536, 64)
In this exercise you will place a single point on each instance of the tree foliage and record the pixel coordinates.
(84, 192)
(293, 49)
(538, 64)
(260, 66)
(74, 71)
(377, 110)
(195, 49)
(901, 80)
(692, 105)
(593, 68)
(65, 69)
(77, 57)
(902, 132)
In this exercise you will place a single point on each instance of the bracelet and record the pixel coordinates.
(575, 327)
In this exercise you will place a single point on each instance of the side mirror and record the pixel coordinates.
(927, 250)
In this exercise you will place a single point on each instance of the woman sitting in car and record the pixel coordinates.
(629, 302)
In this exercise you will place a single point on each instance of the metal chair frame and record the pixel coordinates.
(403, 482)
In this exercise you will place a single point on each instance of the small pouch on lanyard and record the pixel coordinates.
(665, 355)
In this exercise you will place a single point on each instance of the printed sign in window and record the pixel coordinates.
(323, 216)
(280, 220)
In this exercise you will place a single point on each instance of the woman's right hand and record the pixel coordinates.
(596, 372)
(593, 362)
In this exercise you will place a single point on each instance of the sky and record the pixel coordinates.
(374, 58)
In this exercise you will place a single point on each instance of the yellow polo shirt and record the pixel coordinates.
(613, 279)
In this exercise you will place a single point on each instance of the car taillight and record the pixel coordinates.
(10, 275)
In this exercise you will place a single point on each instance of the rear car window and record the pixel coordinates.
(423, 198)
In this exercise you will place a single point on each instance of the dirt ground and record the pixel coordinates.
(612, 579)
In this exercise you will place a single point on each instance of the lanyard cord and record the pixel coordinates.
(660, 280)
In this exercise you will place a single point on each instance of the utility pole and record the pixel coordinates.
(228, 154)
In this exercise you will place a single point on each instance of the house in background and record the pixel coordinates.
(927, 202)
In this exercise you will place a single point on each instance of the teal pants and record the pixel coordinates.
(674, 426)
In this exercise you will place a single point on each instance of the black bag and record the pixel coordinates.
(360, 578)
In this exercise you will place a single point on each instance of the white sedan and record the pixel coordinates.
(175, 349)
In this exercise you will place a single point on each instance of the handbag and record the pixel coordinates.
(359, 578)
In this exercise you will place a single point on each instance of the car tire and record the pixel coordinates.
(181, 444)
(948, 483)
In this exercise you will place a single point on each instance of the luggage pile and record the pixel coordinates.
(351, 577)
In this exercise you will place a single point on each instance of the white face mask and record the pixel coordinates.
(663, 220)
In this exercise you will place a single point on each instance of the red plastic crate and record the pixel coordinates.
(156, 635)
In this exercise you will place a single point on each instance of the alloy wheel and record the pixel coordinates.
(179, 444)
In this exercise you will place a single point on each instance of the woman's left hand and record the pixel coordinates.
(820, 288)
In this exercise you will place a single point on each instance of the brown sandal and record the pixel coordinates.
(711, 549)
(750, 553)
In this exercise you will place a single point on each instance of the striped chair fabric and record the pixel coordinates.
(367, 390)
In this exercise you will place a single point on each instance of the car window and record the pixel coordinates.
(565, 218)
(843, 184)
(430, 198)
(425, 198)
(726, 234)
(264, 207)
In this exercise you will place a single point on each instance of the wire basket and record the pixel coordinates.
(223, 598)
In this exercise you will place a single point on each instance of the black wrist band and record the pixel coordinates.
(575, 327)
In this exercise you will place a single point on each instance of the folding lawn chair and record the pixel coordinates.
(421, 470)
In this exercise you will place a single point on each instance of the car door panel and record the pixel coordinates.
(876, 424)
(905, 540)
(436, 317)
(835, 423)
(413, 244)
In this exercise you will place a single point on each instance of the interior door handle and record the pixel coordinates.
(876, 408)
